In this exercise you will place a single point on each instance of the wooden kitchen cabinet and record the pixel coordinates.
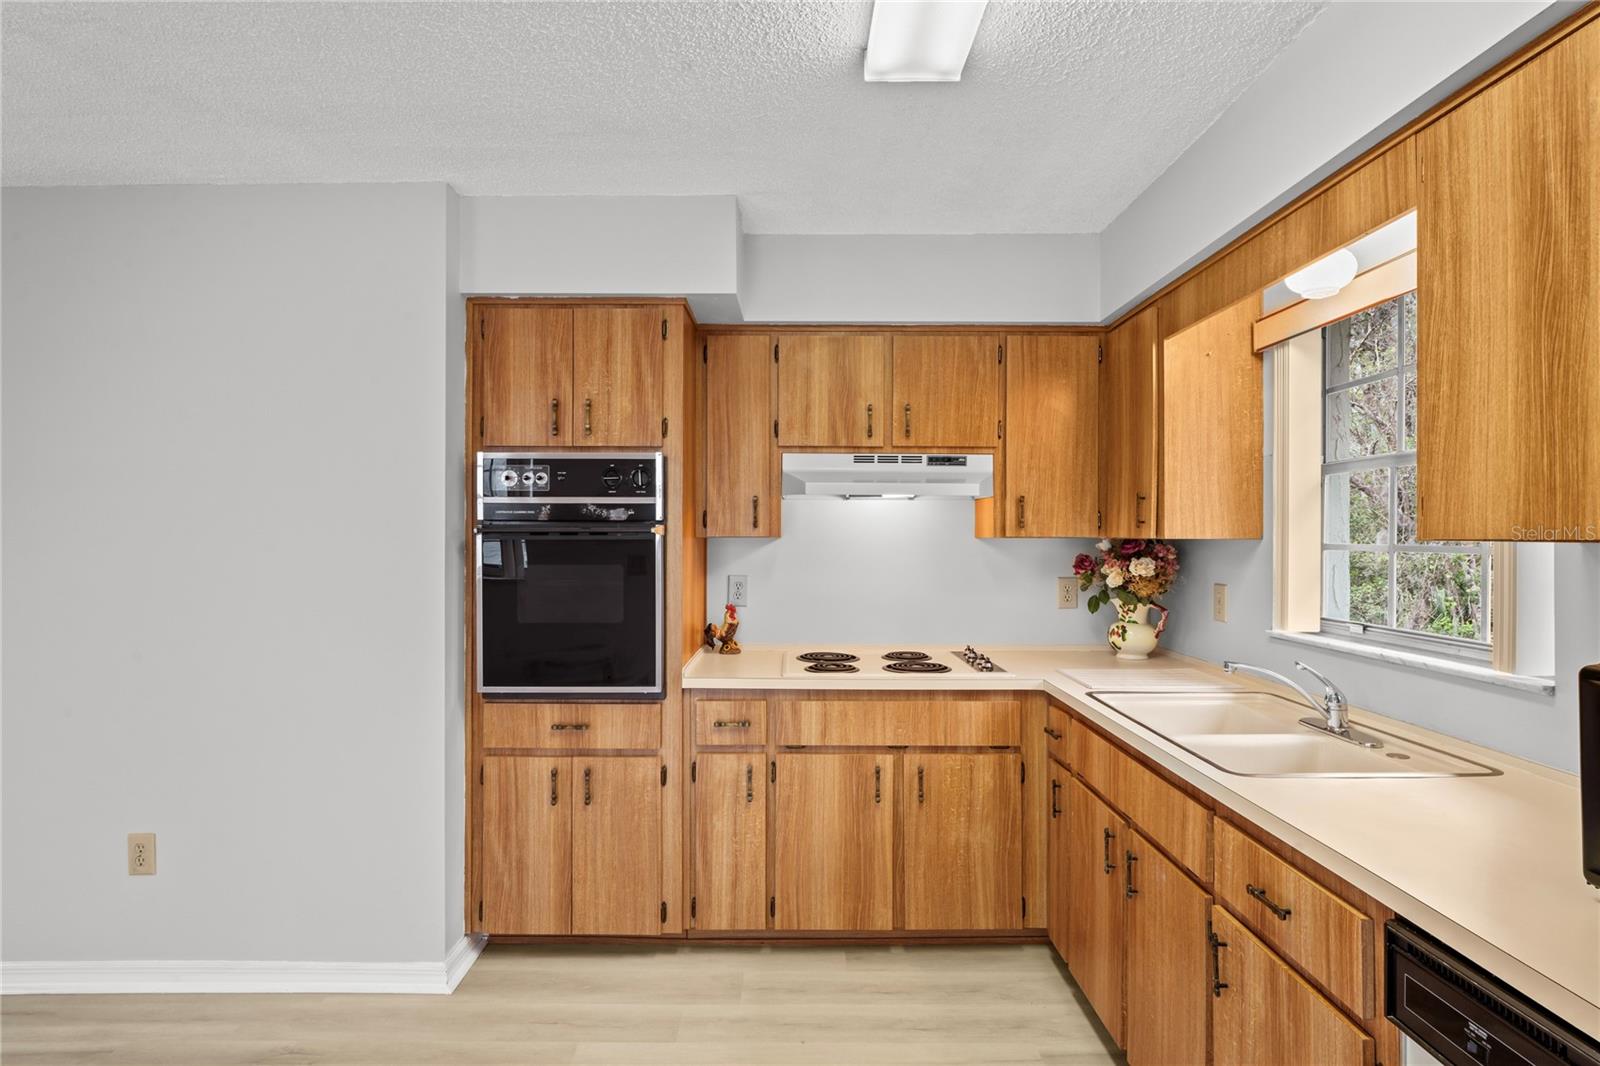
(1130, 429)
(1265, 1014)
(833, 862)
(1168, 996)
(618, 376)
(1211, 428)
(946, 390)
(1508, 249)
(1052, 436)
(1095, 836)
(616, 845)
(525, 375)
(963, 840)
(527, 845)
(741, 459)
(833, 390)
(1059, 913)
(730, 841)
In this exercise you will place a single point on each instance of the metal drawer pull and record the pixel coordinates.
(576, 727)
(586, 794)
(555, 418)
(1022, 513)
(919, 784)
(1217, 983)
(1138, 509)
(1128, 890)
(1106, 849)
(749, 783)
(588, 409)
(869, 421)
(1055, 799)
(1051, 733)
(724, 723)
(755, 512)
(877, 784)
(553, 796)
(908, 421)
(1260, 896)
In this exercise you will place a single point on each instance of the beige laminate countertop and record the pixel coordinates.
(1489, 865)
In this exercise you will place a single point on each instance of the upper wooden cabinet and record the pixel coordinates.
(525, 375)
(741, 460)
(963, 840)
(1052, 435)
(1508, 250)
(833, 389)
(946, 390)
(1211, 428)
(1130, 430)
(618, 371)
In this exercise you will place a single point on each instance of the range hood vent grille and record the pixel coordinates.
(916, 460)
(895, 475)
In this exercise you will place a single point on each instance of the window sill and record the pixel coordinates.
(1543, 686)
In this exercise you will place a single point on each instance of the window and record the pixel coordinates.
(1378, 580)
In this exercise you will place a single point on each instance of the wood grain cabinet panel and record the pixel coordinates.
(834, 390)
(1326, 936)
(946, 390)
(730, 841)
(527, 845)
(741, 464)
(616, 845)
(618, 376)
(1130, 429)
(722, 723)
(1059, 914)
(1265, 1014)
(1211, 426)
(571, 726)
(1052, 435)
(1095, 760)
(1170, 818)
(1508, 250)
(525, 376)
(1058, 734)
(1168, 985)
(963, 841)
(899, 723)
(1095, 837)
(833, 861)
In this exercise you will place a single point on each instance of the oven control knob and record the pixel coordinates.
(541, 479)
(529, 477)
(611, 477)
(508, 479)
(640, 478)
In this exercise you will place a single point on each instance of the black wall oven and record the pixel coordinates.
(570, 582)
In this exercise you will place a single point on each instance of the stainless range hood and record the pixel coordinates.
(887, 475)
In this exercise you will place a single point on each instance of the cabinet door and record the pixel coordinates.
(963, 841)
(1094, 884)
(616, 845)
(833, 390)
(1059, 911)
(527, 845)
(1508, 249)
(946, 391)
(730, 841)
(525, 376)
(741, 460)
(1052, 436)
(1169, 984)
(834, 860)
(617, 376)
(1129, 428)
(1211, 425)
(1265, 1014)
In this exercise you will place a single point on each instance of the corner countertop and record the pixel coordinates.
(1489, 865)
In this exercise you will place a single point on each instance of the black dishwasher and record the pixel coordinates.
(1466, 1017)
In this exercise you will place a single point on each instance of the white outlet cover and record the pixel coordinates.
(738, 589)
(1219, 602)
(1066, 593)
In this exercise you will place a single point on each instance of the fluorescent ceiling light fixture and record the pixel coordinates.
(1324, 277)
(921, 40)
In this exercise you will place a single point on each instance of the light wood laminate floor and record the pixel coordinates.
(699, 1004)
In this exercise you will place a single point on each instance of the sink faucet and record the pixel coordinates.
(1332, 706)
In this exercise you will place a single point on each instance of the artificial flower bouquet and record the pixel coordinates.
(1128, 571)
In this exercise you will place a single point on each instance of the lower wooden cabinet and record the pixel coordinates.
(1095, 918)
(1265, 1014)
(833, 868)
(963, 840)
(730, 841)
(1168, 986)
(571, 844)
(1059, 910)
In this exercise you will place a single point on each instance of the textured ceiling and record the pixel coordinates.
(1065, 113)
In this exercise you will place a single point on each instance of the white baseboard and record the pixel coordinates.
(157, 976)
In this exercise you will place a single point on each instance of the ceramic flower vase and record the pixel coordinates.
(1132, 636)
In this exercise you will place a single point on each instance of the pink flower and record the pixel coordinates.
(1130, 548)
(1083, 563)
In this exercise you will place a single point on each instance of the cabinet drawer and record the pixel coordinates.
(1167, 816)
(1093, 758)
(719, 722)
(914, 723)
(1057, 734)
(581, 726)
(1328, 938)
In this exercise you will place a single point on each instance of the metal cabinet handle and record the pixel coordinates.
(749, 783)
(588, 410)
(576, 727)
(1260, 896)
(1217, 983)
(555, 418)
(723, 723)
(587, 795)
(1055, 798)
(755, 512)
(553, 795)
(1128, 891)
(1051, 733)
(1138, 509)
(919, 784)
(908, 421)
(869, 421)
(1022, 512)
(877, 784)
(1105, 846)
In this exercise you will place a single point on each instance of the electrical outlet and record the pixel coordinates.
(1066, 593)
(1219, 602)
(738, 589)
(141, 853)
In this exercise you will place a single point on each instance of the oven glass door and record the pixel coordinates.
(572, 613)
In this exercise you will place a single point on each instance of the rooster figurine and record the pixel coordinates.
(724, 633)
